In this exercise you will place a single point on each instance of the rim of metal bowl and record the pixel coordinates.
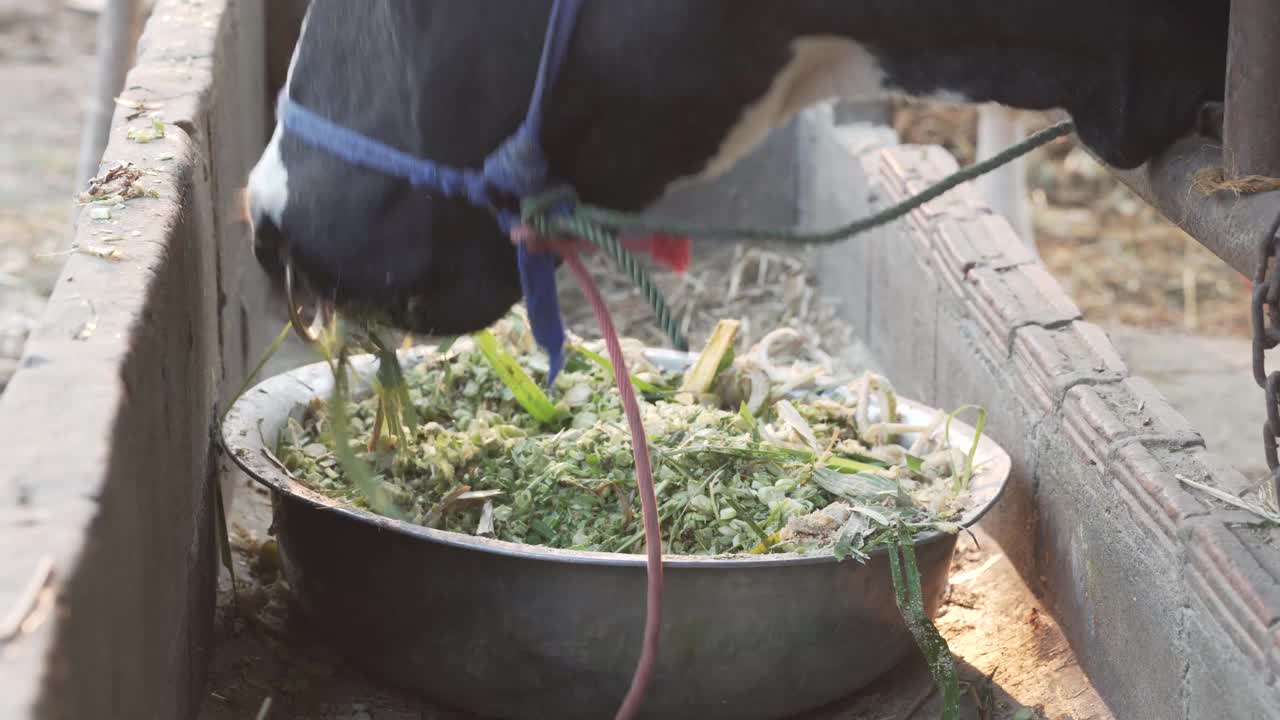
(243, 441)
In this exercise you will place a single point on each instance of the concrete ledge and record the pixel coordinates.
(1171, 603)
(108, 470)
(1051, 361)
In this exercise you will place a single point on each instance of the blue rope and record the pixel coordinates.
(517, 167)
(362, 151)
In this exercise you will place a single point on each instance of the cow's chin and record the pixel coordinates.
(413, 316)
(423, 319)
(401, 276)
(446, 310)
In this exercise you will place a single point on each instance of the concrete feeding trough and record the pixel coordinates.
(1170, 600)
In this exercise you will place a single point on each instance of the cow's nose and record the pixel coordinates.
(272, 250)
(269, 246)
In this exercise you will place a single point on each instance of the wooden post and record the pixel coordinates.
(1005, 189)
(119, 25)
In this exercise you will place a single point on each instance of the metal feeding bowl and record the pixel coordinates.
(504, 630)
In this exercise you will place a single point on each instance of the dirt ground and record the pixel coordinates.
(46, 67)
(1119, 261)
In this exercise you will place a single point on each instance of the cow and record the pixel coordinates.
(655, 94)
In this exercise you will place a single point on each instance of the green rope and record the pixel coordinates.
(607, 240)
(601, 227)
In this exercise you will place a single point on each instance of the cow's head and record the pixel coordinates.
(657, 92)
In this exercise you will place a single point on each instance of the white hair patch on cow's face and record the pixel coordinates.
(822, 68)
(268, 187)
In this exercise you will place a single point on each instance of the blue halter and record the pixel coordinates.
(518, 168)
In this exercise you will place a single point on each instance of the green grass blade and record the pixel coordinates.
(910, 597)
(525, 390)
(846, 465)
(715, 357)
(603, 362)
(222, 533)
(396, 389)
(746, 517)
(253, 374)
(727, 361)
(967, 474)
(358, 471)
(749, 418)
(914, 463)
(781, 454)
(857, 487)
(835, 462)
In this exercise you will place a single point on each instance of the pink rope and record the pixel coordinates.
(644, 481)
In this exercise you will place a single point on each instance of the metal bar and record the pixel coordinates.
(1228, 225)
(1231, 226)
(117, 38)
(1252, 123)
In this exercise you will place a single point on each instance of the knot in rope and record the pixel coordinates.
(452, 183)
(518, 167)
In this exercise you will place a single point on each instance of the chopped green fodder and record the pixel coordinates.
(910, 597)
(763, 457)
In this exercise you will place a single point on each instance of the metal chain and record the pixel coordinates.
(1266, 335)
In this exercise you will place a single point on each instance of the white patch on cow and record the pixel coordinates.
(269, 183)
(950, 97)
(268, 186)
(822, 68)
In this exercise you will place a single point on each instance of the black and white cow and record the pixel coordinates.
(659, 92)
